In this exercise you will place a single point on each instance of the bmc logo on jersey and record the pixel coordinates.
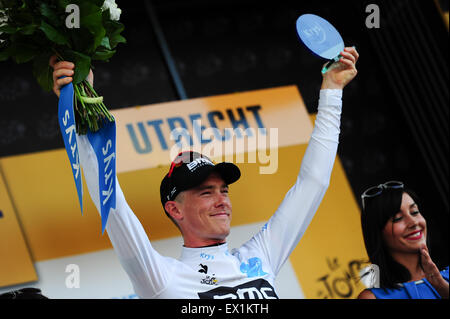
(256, 289)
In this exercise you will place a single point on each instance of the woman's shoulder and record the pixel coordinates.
(366, 294)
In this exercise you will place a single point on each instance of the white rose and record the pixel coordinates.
(3, 20)
(114, 11)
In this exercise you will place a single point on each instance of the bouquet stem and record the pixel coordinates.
(90, 109)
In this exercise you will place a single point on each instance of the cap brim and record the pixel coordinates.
(228, 171)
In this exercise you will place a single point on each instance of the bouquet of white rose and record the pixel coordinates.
(79, 31)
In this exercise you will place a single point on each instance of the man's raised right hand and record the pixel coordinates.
(64, 68)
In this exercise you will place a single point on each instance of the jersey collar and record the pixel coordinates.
(207, 253)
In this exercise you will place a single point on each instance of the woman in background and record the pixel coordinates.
(395, 236)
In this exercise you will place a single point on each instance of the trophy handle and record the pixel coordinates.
(327, 66)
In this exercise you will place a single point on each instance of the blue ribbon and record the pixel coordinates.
(67, 125)
(103, 143)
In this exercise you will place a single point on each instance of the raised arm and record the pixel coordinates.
(147, 269)
(285, 228)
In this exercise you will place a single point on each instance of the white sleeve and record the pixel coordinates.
(147, 269)
(281, 234)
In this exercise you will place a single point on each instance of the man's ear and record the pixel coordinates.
(173, 209)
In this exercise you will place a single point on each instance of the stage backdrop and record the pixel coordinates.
(271, 131)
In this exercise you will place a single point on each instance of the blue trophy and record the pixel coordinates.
(319, 36)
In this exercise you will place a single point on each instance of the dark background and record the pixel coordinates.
(395, 115)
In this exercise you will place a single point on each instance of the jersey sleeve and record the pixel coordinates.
(280, 235)
(146, 268)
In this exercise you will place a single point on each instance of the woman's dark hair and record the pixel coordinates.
(376, 213)
(24, 293)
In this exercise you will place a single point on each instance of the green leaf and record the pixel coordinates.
(50, 14)
(105, 43)
(53, 34)
(42, 71)
(115, 40)
(9, 52)
(63, 3)
(91, 18)
(103, 55)
(82, 39)
(9, 4)
(24, 53)
(113, 27)
(24, 15)
(98, 3)
(29, 4)
(8, 29)
(113, 30)
(82, 64)
(28, 29)
(4, 55)
(106, 16)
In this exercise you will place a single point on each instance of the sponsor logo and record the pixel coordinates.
(206, 256)
(256, 289)
(315, 34)
(199, 162)
(253, 268)
(208, 280)
(173, 191)
(204, 269)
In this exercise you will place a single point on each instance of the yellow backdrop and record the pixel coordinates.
(326, 261)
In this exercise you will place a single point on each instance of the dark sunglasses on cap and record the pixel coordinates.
(377, 190)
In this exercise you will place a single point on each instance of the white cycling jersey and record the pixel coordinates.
(215, 271)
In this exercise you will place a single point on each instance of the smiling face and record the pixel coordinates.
(405, 232)
(203, 213)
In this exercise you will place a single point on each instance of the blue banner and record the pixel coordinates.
(67, 125)
(103, 143)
